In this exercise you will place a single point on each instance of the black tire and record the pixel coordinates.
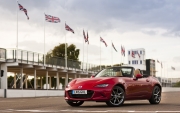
(156, 95)
(117, 97)
(74, 103)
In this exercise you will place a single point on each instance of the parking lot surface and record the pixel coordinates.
(170, 103)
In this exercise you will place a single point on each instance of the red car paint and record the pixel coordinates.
(139, 88)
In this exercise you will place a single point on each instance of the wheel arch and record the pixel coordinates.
(120, 85)
(158, 86)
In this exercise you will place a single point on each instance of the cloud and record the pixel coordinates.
(176, 59)
(149, 24)
(151, 32)
(101, 15)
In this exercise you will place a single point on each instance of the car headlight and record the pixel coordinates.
(102, 85)
(68, 86)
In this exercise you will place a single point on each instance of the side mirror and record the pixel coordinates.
(92, 76)
(137, 76)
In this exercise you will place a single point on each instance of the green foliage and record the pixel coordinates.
(118, 64)
(59, 51)
(10, 81)
(177, 84)
(72, 52)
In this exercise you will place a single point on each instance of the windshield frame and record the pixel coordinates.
(110, 72)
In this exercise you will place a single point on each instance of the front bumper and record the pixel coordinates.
(92, 95)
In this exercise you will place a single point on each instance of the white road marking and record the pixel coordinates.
(37, 111)
(11, 101)
(2, 111)
(87, 111)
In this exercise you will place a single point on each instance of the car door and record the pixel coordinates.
(143, 86)
(131, 88)
(130, 84)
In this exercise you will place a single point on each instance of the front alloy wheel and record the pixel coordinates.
(156, 95)
(117, 97)
(74, 103)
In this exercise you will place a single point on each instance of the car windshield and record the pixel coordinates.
(116, 72)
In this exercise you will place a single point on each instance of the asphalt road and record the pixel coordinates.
(170, 103)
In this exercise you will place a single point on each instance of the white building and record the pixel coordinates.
(136, 58)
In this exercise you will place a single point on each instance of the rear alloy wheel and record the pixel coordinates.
(156, 95)
(74, 103)
(117, 97)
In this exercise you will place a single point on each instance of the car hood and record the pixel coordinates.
(88, 82)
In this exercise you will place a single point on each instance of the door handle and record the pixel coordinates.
(147, 80)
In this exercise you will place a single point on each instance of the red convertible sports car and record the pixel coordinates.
(113, 86)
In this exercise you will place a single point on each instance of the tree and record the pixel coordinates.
(59, 51)
(10, 81)
(177, 84)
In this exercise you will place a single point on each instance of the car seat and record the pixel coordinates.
(137, 71)
(119, 73)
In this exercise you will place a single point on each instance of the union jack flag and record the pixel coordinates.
(23, 9)
(84, 36)
(87, 38)
(114, 47)
(138, 54)
(122, 51)
(103, 41)
(52, 19)
(173, 68)
(158, 61)
(68, 28)
(133, 55)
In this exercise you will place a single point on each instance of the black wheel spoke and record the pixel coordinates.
(156, 96)
(117, 96)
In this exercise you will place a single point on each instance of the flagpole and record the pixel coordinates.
(123, 59)
(87, 58)
(161, 73)
(17, 37)
(171, 76)
(111, 53)
(167, 70)
(65, 51)
(83, 56)
(100, 55)
(44, 41)
(121, 55)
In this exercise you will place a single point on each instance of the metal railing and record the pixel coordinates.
(28, 57)
(2, 54)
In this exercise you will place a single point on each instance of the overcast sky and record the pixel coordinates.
(150, 24)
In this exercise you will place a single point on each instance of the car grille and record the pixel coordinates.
(88, 95)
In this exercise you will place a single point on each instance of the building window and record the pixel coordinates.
(140, 61)
(136, 61)
(129, 52)
(133, 62)
(140, 52)
(129, 62)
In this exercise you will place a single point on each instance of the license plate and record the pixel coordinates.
(79, 91)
